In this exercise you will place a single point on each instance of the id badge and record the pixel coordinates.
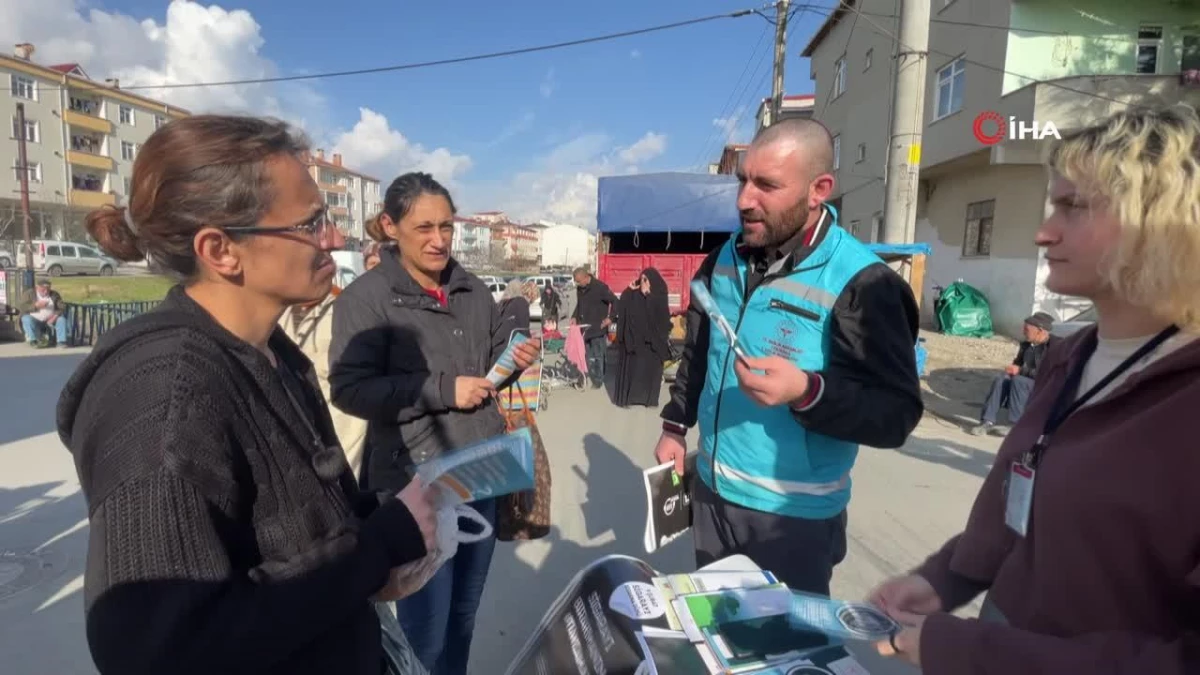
(1019, 498)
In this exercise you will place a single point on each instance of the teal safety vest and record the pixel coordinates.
(759, 457)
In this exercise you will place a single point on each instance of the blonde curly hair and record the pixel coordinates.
(1146, 164)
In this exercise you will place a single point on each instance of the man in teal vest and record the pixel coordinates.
(827, 331)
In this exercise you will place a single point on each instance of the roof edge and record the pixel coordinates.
(826, 27)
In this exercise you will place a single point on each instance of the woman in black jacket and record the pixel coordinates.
(412, 341)
(643, 333)
(227, 533)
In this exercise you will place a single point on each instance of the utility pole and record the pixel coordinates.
(908, 119)
(781, 18)
(23, 172)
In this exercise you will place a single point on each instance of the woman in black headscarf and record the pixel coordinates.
(643, 332)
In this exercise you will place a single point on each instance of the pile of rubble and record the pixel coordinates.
(950, 351)
(959, 371)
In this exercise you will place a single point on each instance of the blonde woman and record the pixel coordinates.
(1086, 533)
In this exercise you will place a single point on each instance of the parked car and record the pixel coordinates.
(1076, 323)
(57, 258)
(6, 257)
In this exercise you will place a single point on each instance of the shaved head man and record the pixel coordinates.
(786, 174)
(825, 335)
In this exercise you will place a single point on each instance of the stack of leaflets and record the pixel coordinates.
(668, 503)
(620, 617)
(493, 468)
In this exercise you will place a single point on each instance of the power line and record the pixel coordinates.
(1019, 29)
(725, 109)
(460, 59)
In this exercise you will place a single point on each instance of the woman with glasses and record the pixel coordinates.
(413, 340)
(643, 340)
(227, 533)
(1086, 533)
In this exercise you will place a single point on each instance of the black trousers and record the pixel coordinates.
(799, 552)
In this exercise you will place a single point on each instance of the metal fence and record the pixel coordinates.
(89, 322)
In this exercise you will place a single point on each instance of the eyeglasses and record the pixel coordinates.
(320, 225)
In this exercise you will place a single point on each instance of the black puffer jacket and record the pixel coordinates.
(595, 303)
(395, 355)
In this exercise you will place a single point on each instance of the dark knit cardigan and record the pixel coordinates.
(225, 537)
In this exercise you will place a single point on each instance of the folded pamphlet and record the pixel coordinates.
(493, 468)
(705, 299)
(668, 504)
(506, 365)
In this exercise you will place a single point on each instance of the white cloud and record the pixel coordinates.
(195, 43)
(635, 54)
(731, 126)
(374, 147)
(645, 148)
(561, 187)
(548, 84)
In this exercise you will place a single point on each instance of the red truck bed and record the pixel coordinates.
(618, 270)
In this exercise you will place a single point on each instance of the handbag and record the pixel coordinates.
(525, 515)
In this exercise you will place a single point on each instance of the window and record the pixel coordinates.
(69, 252)
(333, 199)
(854, 225)
(1191, 53)
(876, 226)
(53, 250)
(35, 172)
(24, 87)
(128, 186)
(839, 77)
(128, 150)
(125, 113)
(83, 105)
(977, 238)
(837, 152)
(1150, 42)
(862, 152)
(88, 253)
(32, 131)
(159, 121)
(950, 80)
(867, 60)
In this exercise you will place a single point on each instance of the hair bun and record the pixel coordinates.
(108, 227)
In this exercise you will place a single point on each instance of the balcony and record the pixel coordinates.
(339, 212)
(89, 122)
(91, 161)
(332, 187)
(91, 199)
(1070, 103)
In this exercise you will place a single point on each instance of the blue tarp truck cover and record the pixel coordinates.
(667, 202)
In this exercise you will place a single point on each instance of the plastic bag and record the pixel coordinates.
(408, 579)
(964, 311)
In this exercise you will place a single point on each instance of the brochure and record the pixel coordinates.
(614, 618)
(705, 299)
(668, 504)
(506, 365)
(498, 466)
(845, 620)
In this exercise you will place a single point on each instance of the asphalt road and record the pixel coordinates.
(906, 504)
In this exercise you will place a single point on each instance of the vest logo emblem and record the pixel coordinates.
(782, 343)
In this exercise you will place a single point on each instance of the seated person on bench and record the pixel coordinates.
(42, 310)
(1012, 389)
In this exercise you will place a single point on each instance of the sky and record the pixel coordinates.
(527, 134)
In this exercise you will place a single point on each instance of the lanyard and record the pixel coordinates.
(1064, 407)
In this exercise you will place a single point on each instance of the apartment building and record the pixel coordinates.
(352, 196)
(472, 241)
(81, 138)
(798, 105)
(994, 66)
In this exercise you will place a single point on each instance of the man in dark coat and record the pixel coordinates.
(594, 306)
(1011, 390)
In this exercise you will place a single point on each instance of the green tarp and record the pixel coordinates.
(962, 310)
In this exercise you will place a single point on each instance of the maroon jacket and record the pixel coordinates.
(1108, 580)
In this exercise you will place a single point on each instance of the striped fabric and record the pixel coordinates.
(526, 392)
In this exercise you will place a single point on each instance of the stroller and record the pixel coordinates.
(560, 373)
